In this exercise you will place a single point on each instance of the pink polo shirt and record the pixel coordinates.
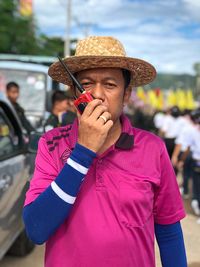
(127, 189)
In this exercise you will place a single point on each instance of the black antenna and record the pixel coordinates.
(78, 85)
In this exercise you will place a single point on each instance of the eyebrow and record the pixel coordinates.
(90, 78)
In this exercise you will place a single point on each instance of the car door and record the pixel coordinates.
(14, 172)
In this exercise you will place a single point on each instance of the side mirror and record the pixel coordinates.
(33, 141)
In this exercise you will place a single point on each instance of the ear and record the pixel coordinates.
(127, 95)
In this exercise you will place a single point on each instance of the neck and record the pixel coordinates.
(13, 102)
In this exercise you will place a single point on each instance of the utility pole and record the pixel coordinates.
(68, 26)
(197, 70)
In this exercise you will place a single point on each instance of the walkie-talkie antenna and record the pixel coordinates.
(78, 85)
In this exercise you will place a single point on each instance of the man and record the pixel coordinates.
(61, 115)
(100, 186)
(12, 91)
(170, 128)
(187, 127)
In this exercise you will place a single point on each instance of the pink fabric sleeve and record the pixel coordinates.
(45, 172)
(168, 204)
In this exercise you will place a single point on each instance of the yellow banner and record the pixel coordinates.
(26, 8)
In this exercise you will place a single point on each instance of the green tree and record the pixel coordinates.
(17, 33)
(54, 46)
(51, 46)
(7, 24)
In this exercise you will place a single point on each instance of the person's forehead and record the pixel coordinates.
(14, 88)
(62, 100)
(103, 72)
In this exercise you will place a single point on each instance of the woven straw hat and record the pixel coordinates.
(101, 52)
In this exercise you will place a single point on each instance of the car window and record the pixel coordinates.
(32, 87)
(9, 141)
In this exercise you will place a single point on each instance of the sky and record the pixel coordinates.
(166, 33)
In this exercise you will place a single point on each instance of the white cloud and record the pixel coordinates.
(193, 7)
(153, 30)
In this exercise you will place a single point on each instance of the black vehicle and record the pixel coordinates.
(16, 165)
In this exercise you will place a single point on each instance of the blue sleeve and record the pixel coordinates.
(43, 216)
(171, 244)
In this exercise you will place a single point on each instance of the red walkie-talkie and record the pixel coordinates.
(85, 97)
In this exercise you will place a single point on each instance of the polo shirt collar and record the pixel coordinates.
(125, 141)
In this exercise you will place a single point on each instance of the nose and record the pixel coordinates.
(98, 91)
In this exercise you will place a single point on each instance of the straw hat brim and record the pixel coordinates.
(142, 71)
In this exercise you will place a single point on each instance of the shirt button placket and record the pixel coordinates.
(99, 177)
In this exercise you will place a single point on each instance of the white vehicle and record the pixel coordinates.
(35, 84)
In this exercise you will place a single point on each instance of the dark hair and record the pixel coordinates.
(175, 112)
(186, 112)
(10, 85)
(58, 95)
(195, 115)
(127, 77)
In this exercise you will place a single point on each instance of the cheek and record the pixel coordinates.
(14, 96)
(115, 104)
(65, 105)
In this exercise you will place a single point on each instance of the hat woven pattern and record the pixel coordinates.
(94, 46)
(103, 52)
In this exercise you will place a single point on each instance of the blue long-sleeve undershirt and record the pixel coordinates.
(44, 215)
(171, 245)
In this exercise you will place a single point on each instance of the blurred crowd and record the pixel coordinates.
(181, 133)
(180, 130)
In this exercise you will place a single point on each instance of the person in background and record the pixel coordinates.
(170, 129)
(191, 144)
(12, 92)
(158, 120)
(60, 115)
(104, 189)
(71, 106)
(187, 124)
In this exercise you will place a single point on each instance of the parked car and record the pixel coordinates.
(16, 166)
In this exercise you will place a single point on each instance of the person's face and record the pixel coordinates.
(106, 84)
(13, 94)
(71, 106)
(62, 106)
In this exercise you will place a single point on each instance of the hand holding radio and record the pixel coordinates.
(94, 125)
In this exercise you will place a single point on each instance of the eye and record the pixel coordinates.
(110, 85)
(86, 84)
